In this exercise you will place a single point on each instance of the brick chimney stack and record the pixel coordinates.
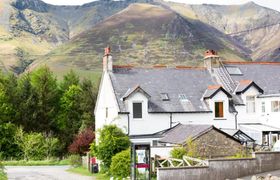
(107, 60)
(211, 59)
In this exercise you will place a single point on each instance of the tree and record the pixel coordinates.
(111, 141)
(27, 104)
(88, 100)
(71, 78)
(82, 142)
(44, 83)
(8, 98)
(70, 110)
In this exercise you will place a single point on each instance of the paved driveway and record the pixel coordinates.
(42, 173)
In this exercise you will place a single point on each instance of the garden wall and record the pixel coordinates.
(221, 169)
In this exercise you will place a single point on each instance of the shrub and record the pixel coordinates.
(178, 152)
(75, 160)
(82, 142)
(35, 146)
(111, 141)
(8, 146)
(120, 166)
(3, 175)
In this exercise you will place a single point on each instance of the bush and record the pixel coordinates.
(75, 160)
(178, 152)
(111, 141)
(3, 175)
(120, 166)
(35, 146)
(8, 146)
(82, 142)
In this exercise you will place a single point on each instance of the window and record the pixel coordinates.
(219, 109)
(263, 107)
(250, 104)
(164, 96)
(233, 70)
(137, 110)
(183, 97)
(275, 106)
(106, 112)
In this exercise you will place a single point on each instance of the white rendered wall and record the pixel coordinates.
(243, 116)
(106, 100)
(269, 117)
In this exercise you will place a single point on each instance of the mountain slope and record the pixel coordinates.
(29, 29)
(144, 34)
(252, 26)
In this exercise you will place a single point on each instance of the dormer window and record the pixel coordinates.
(137, 110)
(219, 109)
(164, 96)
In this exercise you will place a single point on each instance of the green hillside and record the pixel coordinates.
(143, 35)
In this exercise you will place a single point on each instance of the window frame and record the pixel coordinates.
(277, 108)
(223, 110)
(263, 107)
(251, 103)
(137, 102)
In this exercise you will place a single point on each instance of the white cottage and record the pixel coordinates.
(147, 101)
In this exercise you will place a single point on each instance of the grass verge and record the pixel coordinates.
(80, 170)
(83, 171)
(36, 163)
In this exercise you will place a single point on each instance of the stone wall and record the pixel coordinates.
(216, 144)
(221, 169)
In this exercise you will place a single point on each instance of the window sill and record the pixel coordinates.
(137, 119)
(222, 119)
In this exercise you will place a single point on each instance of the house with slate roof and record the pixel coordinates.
(229, 95)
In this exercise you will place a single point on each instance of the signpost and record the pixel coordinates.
(140, 161)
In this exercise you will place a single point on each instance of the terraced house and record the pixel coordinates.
(145, 102)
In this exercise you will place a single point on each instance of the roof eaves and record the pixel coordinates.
(250, 85)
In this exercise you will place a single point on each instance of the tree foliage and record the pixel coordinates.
(36, 146)
(178, 152)
(43, 106)
(111, 141)
(120, 166)
(82, 142)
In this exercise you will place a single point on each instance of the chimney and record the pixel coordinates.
(211, 59)
(107, 60)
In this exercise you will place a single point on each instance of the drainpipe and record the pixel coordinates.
(235, 115)
(171, 120)
(128, 125)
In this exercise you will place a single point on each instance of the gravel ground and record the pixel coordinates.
(42, 173)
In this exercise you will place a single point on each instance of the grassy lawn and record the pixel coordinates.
(36, 163)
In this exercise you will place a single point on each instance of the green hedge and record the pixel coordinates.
(120, 166)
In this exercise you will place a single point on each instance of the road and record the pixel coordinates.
(42, 173)
(273, 173)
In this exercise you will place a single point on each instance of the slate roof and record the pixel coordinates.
(182, 132)
(212, 91)
(244, 85)
(190, 82)
(265, 75)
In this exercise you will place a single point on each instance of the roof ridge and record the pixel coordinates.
(250, 62)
